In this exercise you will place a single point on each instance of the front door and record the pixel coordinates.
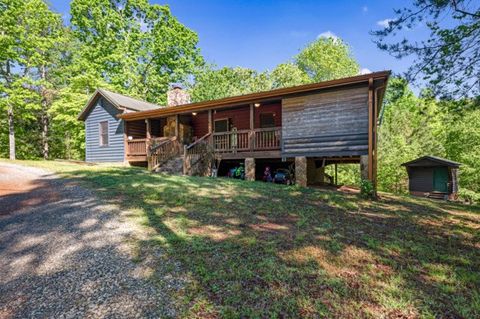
(440, 179)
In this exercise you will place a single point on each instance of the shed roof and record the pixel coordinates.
(433, 159)
(120, 101)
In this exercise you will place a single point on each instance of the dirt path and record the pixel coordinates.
(65, 254)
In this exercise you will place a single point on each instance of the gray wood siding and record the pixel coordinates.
(331, 123)
(114, 152)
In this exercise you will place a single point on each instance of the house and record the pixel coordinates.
(104, 131)
(306, 127)
(433, 177)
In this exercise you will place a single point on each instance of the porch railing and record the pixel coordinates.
(137, 146)
(247, 140)
(162, 152)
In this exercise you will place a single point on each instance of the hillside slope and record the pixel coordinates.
(251, 249)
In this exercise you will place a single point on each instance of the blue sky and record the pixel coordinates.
(262, 34)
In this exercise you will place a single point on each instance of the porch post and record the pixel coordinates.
(149, 128)
(125, 142)
(210, 126)
(301, 171)
(176, 125)
(251, 135)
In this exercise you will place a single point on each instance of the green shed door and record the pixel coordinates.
(440, 179)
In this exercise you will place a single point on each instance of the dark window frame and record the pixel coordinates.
(262, 117)
(103, 136)
(221, 120)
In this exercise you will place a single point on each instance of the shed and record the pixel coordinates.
(432, 176)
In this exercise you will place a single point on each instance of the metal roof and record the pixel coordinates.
(435, 159)
(120, 101)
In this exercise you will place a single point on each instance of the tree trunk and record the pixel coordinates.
(11, 133)
(44, 117)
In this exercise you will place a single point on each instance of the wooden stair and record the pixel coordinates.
(438, 195)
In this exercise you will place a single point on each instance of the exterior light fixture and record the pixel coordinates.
(257, 104)
(194, 113)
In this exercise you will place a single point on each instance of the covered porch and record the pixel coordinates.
(233, 132)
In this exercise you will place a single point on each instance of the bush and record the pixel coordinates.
(366, 189)
(469, 196)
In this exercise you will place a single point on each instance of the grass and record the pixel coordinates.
(260, 250)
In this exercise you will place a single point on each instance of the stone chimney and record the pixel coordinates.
(177, 96)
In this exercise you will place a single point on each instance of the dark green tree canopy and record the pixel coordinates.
(137, 47)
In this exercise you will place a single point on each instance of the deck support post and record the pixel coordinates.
(364, 167)
(301, 171)
(250, 169)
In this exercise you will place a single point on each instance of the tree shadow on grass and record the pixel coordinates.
(262, 250)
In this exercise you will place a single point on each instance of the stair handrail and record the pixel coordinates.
(198, 141)
(162, 152)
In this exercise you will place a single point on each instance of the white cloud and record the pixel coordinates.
(365, 71)
(328, 34)
(384, 23)
(364, 9)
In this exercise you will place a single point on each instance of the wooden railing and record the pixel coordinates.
(247, 140)
(137, 146)
(267, 138)
(198, 156)
(162, 152)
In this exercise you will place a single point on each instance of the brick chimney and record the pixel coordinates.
(177, 96)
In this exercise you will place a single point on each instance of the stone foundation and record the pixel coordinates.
(250, 169)
(301, 171)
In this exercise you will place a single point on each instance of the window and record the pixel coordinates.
(267, 120)
(103, 138)
(221, 125)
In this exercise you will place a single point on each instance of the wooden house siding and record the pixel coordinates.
(200, 124)
(276, 109)
(114, 151)
(239, 117)
(332, 123)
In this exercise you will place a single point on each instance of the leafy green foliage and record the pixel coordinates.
(366, 189)
(327, 59)
(415, 126)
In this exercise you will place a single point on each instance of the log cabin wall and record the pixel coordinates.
(275, 108)
(157, 127)
(200, 124)
(332, 123)
(239, 117)
(137, 129)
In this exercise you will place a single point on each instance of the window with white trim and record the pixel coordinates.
(103, 138)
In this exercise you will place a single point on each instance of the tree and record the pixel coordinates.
(140, 49)
(327, 59)
(449, 59)
(211, 84)
(288, 74)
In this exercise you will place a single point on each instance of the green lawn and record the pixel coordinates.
(259, 250)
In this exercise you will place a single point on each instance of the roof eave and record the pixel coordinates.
(249, 98)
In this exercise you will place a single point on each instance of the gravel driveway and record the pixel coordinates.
(65, 254)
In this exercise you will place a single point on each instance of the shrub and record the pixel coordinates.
(366, 189)
(468, 196)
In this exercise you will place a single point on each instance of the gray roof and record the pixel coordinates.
(120, 101)
(128, 102)
(438, 160)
